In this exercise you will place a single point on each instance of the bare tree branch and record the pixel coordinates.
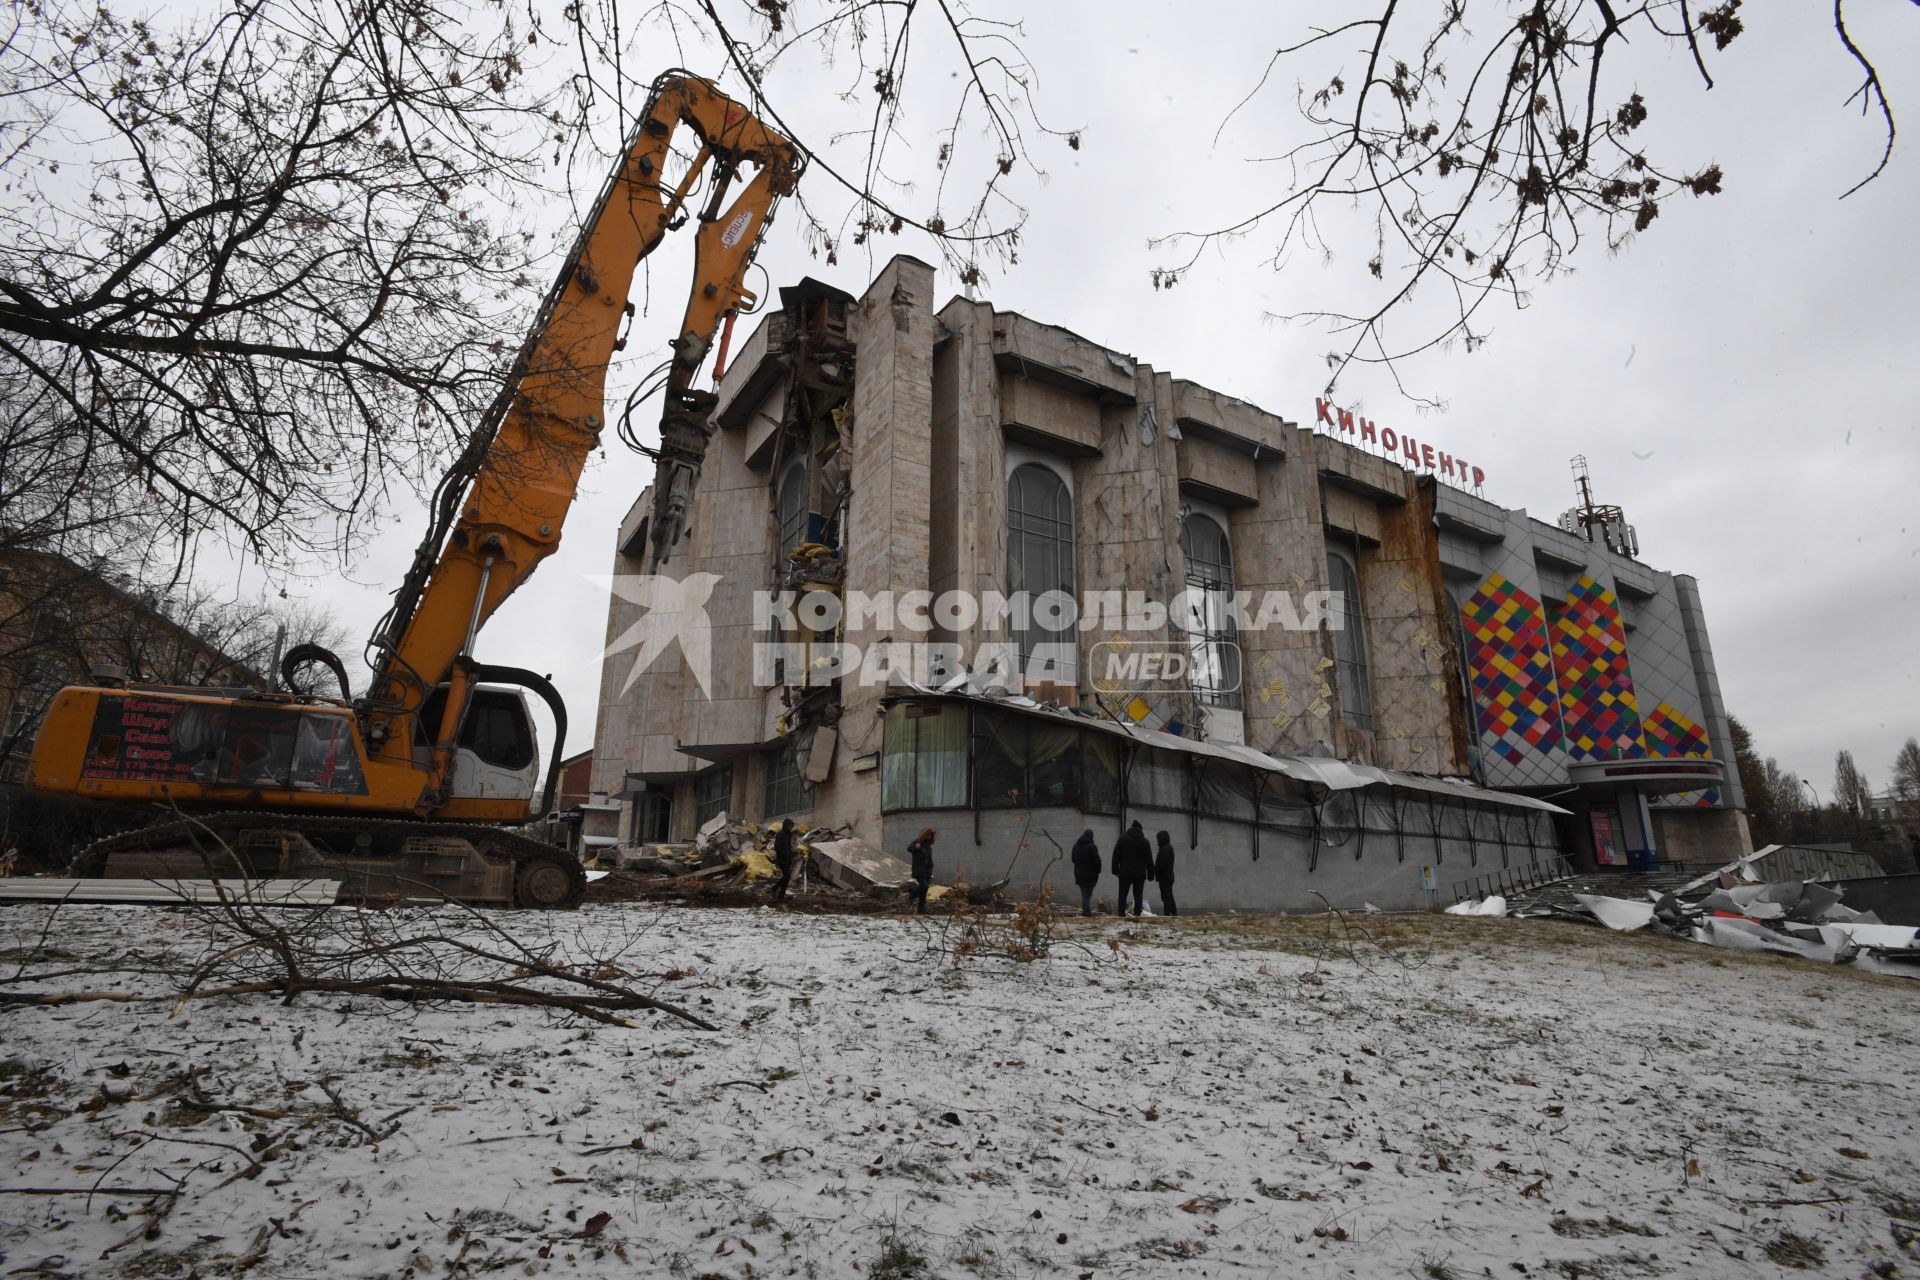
(1488, 186)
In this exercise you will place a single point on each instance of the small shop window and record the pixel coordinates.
(999, 761)
(1021, 762)
(926, 757)
(1226, 791)
(1158, 780)
(1102, 754)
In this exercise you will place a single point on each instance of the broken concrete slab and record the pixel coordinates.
(854, 864)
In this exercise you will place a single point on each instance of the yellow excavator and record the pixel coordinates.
(404, 793)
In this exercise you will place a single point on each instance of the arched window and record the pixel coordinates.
(1040, 561)
(790, 510)
(1212, 646)
(1350, 642)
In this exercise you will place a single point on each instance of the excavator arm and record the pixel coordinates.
(500, 510)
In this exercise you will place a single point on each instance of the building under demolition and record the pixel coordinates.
(965, 570)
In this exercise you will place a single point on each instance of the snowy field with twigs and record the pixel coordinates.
(1314, 1097)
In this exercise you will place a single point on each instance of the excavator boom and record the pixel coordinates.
(389, 790)
(509, 517)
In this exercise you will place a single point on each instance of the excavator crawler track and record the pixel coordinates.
(378, 860)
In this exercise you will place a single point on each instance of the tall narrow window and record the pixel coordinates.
(1350, 642)
(1040, 563)
(1212, 646)
(712, 793)
(790, 508)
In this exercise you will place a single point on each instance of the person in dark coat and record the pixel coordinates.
(1086, 869)
(783, 858)
(921, 852)
(1163, 874)
(1132, 864)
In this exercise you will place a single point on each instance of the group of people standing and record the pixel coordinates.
(1134, 863)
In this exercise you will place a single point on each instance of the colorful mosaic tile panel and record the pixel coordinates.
(1600, 719)
(1670, 734)
(1513, 690)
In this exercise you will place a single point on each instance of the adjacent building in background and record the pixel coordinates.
(1424, 687)
(61, 621)
(575, 783)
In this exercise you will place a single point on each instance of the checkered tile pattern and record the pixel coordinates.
(1513, 687)
(1670, 734)
(1599, 715)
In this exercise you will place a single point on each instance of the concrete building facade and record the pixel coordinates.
(1343, 628)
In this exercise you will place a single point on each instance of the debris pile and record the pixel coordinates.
(1789, 917)
(730, 862)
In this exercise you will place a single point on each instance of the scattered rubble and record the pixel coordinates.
(1725, 908)
(730, 863)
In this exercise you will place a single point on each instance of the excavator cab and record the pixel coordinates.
(498, 756)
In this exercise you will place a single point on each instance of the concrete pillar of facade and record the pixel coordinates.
(889, 512)
(1279, 545)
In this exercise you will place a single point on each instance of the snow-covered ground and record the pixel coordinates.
(1437, 1097)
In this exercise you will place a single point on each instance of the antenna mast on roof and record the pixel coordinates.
(1596, 523)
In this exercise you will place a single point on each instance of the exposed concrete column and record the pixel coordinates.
(888, 524)
(1412, 684)
(1279, 544)
(1126, 530)
(887, 517)
(969, 462)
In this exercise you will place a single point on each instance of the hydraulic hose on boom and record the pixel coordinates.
(500, 511)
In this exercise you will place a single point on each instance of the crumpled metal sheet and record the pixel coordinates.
(1817, 902)
(1787, 917)
(1893, 937)
(1749, 935)
(1619, 914)
(1740, 868)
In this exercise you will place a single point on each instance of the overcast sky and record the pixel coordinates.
(1741, 378)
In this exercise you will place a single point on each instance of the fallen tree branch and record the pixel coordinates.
(600, 1008)
(467, 957)
(89, 1191)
